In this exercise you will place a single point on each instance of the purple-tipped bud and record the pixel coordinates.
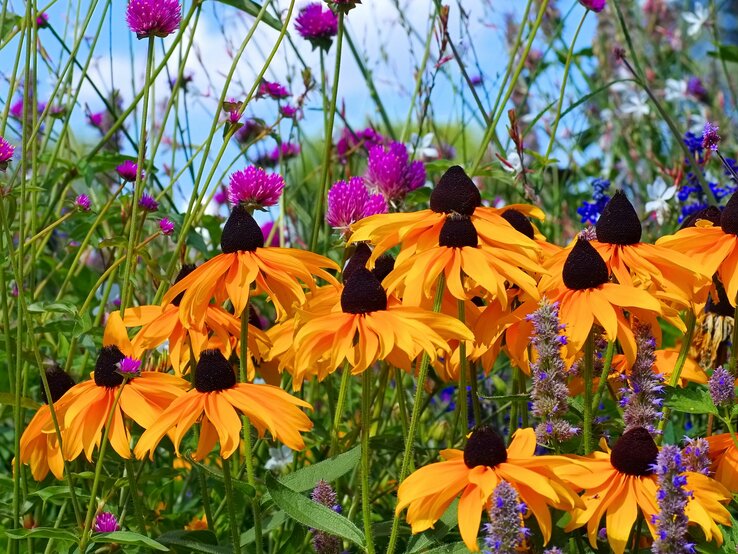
(105, 522)
(594, 5)
(82, 203)
(148, 203)
(166, 226)
(127, 171)
(722, 387)
(710, 136)
(272, 90)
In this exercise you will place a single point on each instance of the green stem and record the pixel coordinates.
(415, 417)
(205, 492)
(138, 188)
(233, 520)
(366, 425)
(602, 385)
(338, 414)
(587, 369)
(325, 173)
(137, 505)
(567, 66)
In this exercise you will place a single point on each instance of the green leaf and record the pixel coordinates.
(193, 541)
(690, 401)
(57, 492)
(311, 514)
(727, 52)
(128, 537)
(268, 523)
(252, 8)
(9, 24)
(448, 549)
(43, 533)
(329, 470)
(8, 399)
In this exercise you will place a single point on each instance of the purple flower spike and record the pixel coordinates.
(391, 174)
(129, 367)
(255, 187)
(153, 18)
(348, 202)
(594, 5)
(6, 153)
(272, 90)
(127, 171)
(166, 226)
(643, 394)
(710, 137)
(671, 523)
(105, 522)
(323, 543)
(148, 203)
(82, 203)
(318, 25)
(722, 387)
(505, 531)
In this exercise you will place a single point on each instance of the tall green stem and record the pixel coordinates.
(366, 427)
(233, 520)
(338, 414)
(588, 366)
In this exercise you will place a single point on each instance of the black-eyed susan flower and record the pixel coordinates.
(221, 329)
(39, 449)
(217, 400)
(475, 472)
(86, 407)
(281, 273)
(619, 483)
(362, 327)
(724, 456)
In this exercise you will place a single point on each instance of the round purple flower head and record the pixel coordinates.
(166, 226)
(285, 151)
(148, 203)
(82, 203)
(594, 5)
(105, 522)
(317, 24)
(255, 187)
(288, 110)
(153, 18)
(273, 90)
(6, 153)
(348, 202)
(129, 367)
(42, 21)
(391, 173)
(127, 171)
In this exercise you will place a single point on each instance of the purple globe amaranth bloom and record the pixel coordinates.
(318, 24)
(722, 387)
(324, 543)
(105, 522)
(249, 131)
(288, 110)
(710, 136)
(348, 202)
(272, 90)
(153, 18)
(127, 171)
(284, 151)
(672, 497)
(594, 5)
(505, 532)
(82, 203)
(42, 21)
(351, 141)
(643, 395)
(96, 119)
(391, 173)
(166, 226)
(6, 153)
(221, 196)
(255, 187)
(129, 367)
(148, 203)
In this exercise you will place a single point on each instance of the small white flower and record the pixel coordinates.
(514, 164)
(425, 148)
(280, 458)
(636, 105)
(675, 90)
(660, 194)
(696, 19)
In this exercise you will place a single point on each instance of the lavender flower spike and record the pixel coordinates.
(696, 456)
(323, 543)
(671, 523)
(643, 396)
(505, 532)
(550, 394)
(722, 387)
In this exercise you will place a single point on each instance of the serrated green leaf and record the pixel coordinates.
(43, 533)
(690, 401)
(53, 492)
(128, 537)
(311, 514)
(193, 541)
(329, 470)
(252, 8)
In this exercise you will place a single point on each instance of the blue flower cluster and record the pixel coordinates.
(589, 212)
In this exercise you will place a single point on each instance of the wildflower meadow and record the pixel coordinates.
(397, 276)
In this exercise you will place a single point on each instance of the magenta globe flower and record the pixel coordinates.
(153, 18)
(127, 171)
(273, 90)
(105, 522)
(82, 203)
(254, 187)
(594, 5)
(318, 24)
(391, 173)
(148, 203)
(348, 202)
(6, 153)
(166, 226)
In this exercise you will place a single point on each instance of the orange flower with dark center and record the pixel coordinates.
(619, 483)
(280, 273)
(475, 472)
(38, 448)
(217, 401)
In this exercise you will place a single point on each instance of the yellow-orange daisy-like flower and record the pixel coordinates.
(713, 247)
(587, 296)
(475, 472)
(86, 407)
(362, 328)
(217, 400)
(724, 456)
(455, 193)
(281, 273)
(40, 449)
(619, 483)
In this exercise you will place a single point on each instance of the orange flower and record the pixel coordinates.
(281, 273)
(476, 471)
(617, 484)
(724, 456)
(217, 400)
